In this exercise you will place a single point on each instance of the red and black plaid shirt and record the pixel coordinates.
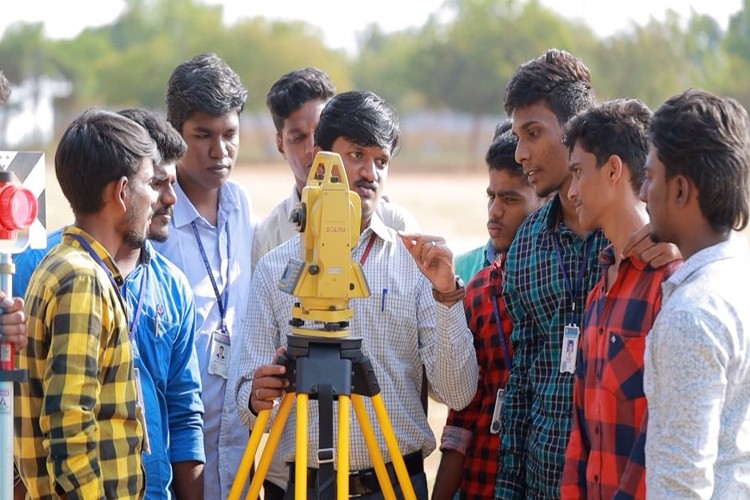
(480, 464)
(605, 455)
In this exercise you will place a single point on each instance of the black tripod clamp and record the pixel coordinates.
(312, 362)
(325, 368)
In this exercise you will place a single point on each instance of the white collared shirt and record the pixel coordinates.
(403, 329)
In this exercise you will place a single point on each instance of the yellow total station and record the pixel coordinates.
(325, 278)
(323, 362)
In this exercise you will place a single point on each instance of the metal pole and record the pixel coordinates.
(8, 375)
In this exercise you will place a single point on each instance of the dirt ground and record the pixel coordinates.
(452, 206)
(449, 205)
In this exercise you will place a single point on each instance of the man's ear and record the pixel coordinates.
(279, 144)
(120, 192)
(614, 168)
(683, 190)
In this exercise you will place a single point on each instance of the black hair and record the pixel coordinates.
(619, 127)
(501, 154)
(204, 83)
(704, 137)
(557, 78)
(361, 117)
(97, 148)
(169, 142)
(294, 89)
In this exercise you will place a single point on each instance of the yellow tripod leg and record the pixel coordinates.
(390, 439)
(300, 471)
(342, 455)
(247, 458)
(372, 447)
(273, 441)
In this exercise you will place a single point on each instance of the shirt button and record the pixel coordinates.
(614, 339)
(601, 330)
(596, 478)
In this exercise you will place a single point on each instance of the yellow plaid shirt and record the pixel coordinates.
(76, 427)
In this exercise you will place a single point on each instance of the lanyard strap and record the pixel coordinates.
(366, 253)
(98, 260)
(499, 325)
(225, 293)
(568, 285)
(139, 307)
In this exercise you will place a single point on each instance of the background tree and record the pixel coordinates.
(457, 64)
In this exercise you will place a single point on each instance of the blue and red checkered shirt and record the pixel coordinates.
(605, 455)
(468, 430)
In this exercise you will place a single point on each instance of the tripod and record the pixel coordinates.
(326, 369)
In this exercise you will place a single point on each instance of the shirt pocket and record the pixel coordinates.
(387, 323)
(155, 344)
(622, 374)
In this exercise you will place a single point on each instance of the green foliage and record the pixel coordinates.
(459, 60)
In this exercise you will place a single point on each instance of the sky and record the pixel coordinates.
(341, 20)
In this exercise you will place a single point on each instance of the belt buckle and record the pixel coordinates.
(361, 483)
(326, 456)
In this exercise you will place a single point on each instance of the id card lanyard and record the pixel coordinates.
(86, 246)
(141, 292)
(570, 290)
(498, 324)
(497, 413)
(222, 298)
(571, 332)
(139, 306)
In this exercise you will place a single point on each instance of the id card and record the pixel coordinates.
(220, 354)
(497, 414)
(569, 351)
(140, 409)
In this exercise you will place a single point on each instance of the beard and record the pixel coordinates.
(158, 235)
(134, 239)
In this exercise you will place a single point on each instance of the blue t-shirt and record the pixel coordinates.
(164, 354)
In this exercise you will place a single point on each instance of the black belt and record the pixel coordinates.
(365, 482)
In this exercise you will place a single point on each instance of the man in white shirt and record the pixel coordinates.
(697, 363)
(210, 239)
(412, 320)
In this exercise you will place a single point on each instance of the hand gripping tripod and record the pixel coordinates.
(325, 363)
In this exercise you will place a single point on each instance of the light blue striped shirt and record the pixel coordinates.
(228, 248)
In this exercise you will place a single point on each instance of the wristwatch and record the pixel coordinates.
(451, 298)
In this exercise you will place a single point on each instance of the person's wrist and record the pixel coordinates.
(458, 292)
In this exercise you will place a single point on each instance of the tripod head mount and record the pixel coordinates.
(325, 278)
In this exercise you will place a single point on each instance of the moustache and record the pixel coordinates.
(362, 183)
(164, 211)
(494, 222)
